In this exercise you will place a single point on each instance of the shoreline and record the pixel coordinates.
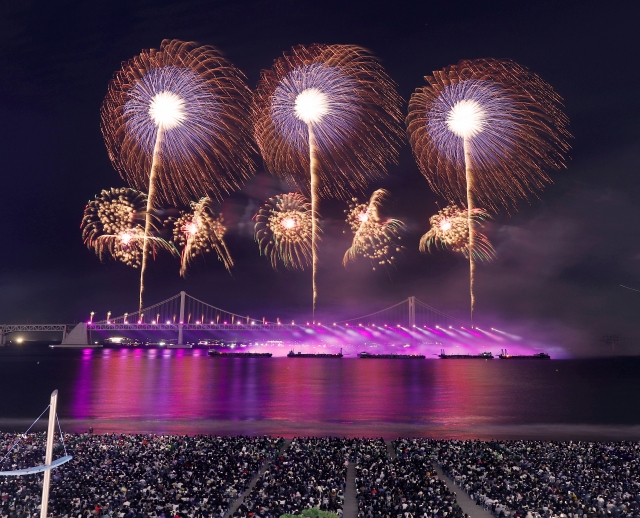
(355, 429)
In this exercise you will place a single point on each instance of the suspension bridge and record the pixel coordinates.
(183, 313)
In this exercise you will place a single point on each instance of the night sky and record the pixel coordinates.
(561, 258)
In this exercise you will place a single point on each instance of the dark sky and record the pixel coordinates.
(561, 258)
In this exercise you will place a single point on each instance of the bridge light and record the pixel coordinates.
(153, 322)
(360, 325)
(334, 323)
(414, 325)
(450, 327)
(225, 322)
(252, 323)
(91, 319)
(139, 321)
(197, 322)
(168, 322)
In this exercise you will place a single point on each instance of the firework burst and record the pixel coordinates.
(176, 122)
(374, 238)
(199, 232)
(113, 225)
(283, 230)
(485, 131)
(326, 119)
(450, 230)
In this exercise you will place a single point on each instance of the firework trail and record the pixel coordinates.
(283, 230)
(176, 122)
(326, 119)
(450, 229)
(484, 131)
(375, 238)
(199, 232)
(113, 224)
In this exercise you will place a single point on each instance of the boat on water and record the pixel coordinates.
(538, 356)
(481, 356)
(218, 354)
(391, 356)
(313, 355)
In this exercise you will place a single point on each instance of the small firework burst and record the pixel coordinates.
(199, 232)
(113, 225)
(374, 238)
(450, 230)
(283, 230)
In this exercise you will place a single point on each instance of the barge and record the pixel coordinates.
(217, 354)
(481, 356)
(391, 356)
(539, 356)
(313, 355)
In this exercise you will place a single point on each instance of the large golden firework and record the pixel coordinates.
(450, 230)
(485, 132)
(374, 237)
(113, 225)
(199, 232)
(283, 230)
(326, 118)
(176, 122)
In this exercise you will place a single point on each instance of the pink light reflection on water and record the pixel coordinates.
(187, 392)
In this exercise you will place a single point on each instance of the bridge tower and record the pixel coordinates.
(181, 321)
(412, 311)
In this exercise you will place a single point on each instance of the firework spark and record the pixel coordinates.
(113, 226)
(375, 238)
(176, 122)
(201, 231)
(331, 111)
(283, 230)
(450, 230)
(485, 131)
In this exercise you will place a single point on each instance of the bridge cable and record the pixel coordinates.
(22, 436)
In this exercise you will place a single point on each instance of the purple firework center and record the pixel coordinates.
(319, 96)
(478, 111)
(177, 102)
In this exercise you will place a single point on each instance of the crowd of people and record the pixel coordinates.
(310, 473)
(545, 479)
(130, 476)
(133, 475)
(406, 486)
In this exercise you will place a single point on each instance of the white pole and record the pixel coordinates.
(49, 454)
